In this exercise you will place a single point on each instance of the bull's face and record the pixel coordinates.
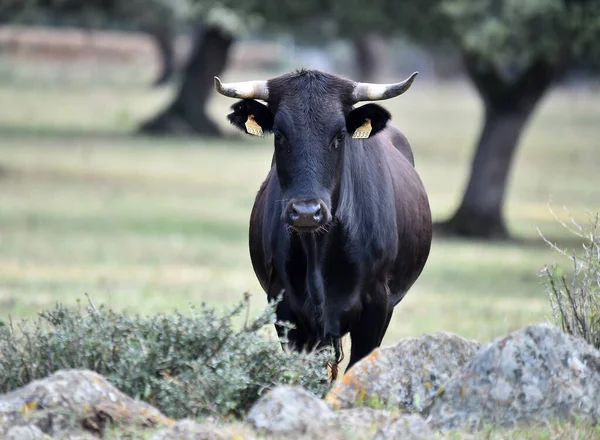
(308, 158)
(312, 118)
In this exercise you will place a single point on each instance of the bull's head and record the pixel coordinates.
(312, 116)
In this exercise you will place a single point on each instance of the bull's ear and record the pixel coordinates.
(367, 120)
(251, 116)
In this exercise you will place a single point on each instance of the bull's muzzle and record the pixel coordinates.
(306, 215)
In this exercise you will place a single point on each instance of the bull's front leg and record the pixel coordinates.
(295, 337)
(367, 333)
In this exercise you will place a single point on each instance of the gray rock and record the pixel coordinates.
(364, 419)
(26, 432)
(533, 375)
(407, 426)
(369, 423)
(71, 402)
(405, 376)
(292, 412)
(190, 430)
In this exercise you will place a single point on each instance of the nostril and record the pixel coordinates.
(293, 215)
(318, 214)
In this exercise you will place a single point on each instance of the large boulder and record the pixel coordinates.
(406, 375)
(25, 432)
(72, 403)
(364, 419)
(532, 375)
(292, 412)
(364, 423)
(405, 427)
(187, 429)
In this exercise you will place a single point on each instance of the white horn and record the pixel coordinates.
(243, 90)
(377, 92)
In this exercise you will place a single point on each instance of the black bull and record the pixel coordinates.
(341, 227)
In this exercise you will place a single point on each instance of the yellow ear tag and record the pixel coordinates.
(252, 126)
(363, 131)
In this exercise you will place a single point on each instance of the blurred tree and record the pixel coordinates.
(369, 50)
(92, 14)
(223, 21)
(214, 30)
(187, 112)
(157, 17)
(216, 25)
(162, 35)
(160, 18)
(513, 51)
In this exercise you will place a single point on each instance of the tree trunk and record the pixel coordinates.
(508, 107)
(480, 212)
(187, 113)
(369, 51)
(163, 41)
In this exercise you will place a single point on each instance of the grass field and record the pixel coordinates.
(148, 225)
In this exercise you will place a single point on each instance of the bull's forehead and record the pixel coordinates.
(309, 88)
(308, 100)
(309, 117)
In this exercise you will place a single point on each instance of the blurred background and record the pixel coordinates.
(121, 178)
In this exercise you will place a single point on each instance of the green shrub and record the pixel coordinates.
(187, 366)
(576, 301)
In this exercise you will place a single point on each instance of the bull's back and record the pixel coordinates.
(413, 214)
(399, 141)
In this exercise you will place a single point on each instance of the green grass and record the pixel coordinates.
(148, 225)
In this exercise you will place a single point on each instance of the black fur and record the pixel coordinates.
(378, 115)
(242, 109)
(348, 277)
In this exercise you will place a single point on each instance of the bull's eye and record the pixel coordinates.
(281, 143)
(337, 140)
(279, 138)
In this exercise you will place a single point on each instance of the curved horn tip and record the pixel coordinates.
(411, 79)
(218, 84)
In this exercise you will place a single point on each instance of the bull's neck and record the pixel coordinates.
(314, 248)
